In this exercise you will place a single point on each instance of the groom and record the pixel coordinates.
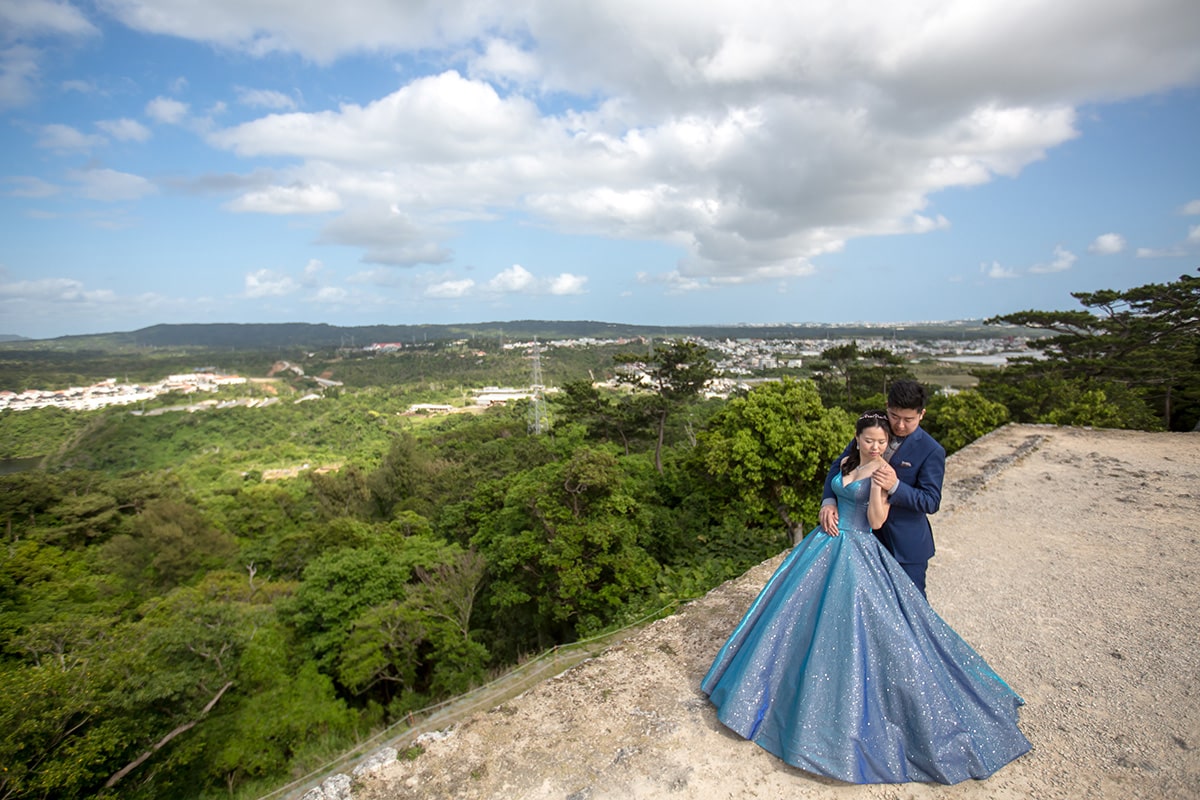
(912, 476)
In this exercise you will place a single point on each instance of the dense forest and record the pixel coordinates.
(211, 604)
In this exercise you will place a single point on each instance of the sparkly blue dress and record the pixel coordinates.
(842, 668)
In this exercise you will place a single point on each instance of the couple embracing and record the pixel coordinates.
(909, 469)
(840, 667)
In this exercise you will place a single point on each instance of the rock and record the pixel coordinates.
(335, 787)
(376, 761)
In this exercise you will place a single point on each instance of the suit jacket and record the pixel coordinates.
(920, 464)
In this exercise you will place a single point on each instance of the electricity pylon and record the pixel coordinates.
(537, 403)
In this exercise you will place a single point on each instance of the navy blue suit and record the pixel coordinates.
(920, 464)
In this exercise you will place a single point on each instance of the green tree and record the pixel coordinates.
(605, 416)
(402, 476)
(959, 419)
(51, 605)
(25, 499)
(244, 704)
(566, 547)
(1052, 399)
(469, 450)
(384, 647)
(45, 707)
(339, 586)
(171, 543)
(183, 656)
(1099, 404)
(40, 431)
(284, 712)
(419, 643)
(121, 701)
(347, 491)
(1146, 339)
(848, 375)
(773, 447)
(446, 596)
(55, 628)
(448, 591)
(372, 620)
(675, 372)
(84, 518)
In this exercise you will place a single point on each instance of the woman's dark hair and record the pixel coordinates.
(871, 419)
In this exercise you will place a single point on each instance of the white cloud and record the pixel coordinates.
(27, 305)
(265, 283)
(308, 28)
(514, 279)
(716, 182)
(740, 59)
(795, 268)
(995, 270)
(55, 289)
(752, 135)
(167, 110)
(27, 302)
(506, 63)
(330, 294)
(1063, 260)
(1161, 252)
(518, 280)
(265, 98)
(21, 18)
(389, 237)
(921, 48)
(1191, 209)
(379, 276)
(1193, 236)
(65, 139)
(566, 284)
(21, 23)
(30, 186)
(450, 290)
(288, 200)
(675, 282)
(312, 270)
(441, 119)
(1107, 244)
(125, 130)
(109, 185)
(18, 75)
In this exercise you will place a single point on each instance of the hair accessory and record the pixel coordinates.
(873, 415)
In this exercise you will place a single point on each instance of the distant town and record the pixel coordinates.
(735, 359)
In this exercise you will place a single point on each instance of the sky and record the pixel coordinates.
(403, 162)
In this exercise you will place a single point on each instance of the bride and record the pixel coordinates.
(840, 667)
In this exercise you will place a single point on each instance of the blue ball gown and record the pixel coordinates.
(841, 668)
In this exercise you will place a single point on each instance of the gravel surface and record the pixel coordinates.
(1069, 558)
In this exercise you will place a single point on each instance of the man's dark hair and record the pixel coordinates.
(907, 394)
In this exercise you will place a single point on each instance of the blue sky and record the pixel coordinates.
(757, 161)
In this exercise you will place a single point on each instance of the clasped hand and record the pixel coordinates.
(884, 476)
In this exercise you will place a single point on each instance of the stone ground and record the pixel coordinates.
(1070, 559)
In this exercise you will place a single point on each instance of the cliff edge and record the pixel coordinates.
(1069, 558)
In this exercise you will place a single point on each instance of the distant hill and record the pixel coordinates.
(259, 336)
(12, 337)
